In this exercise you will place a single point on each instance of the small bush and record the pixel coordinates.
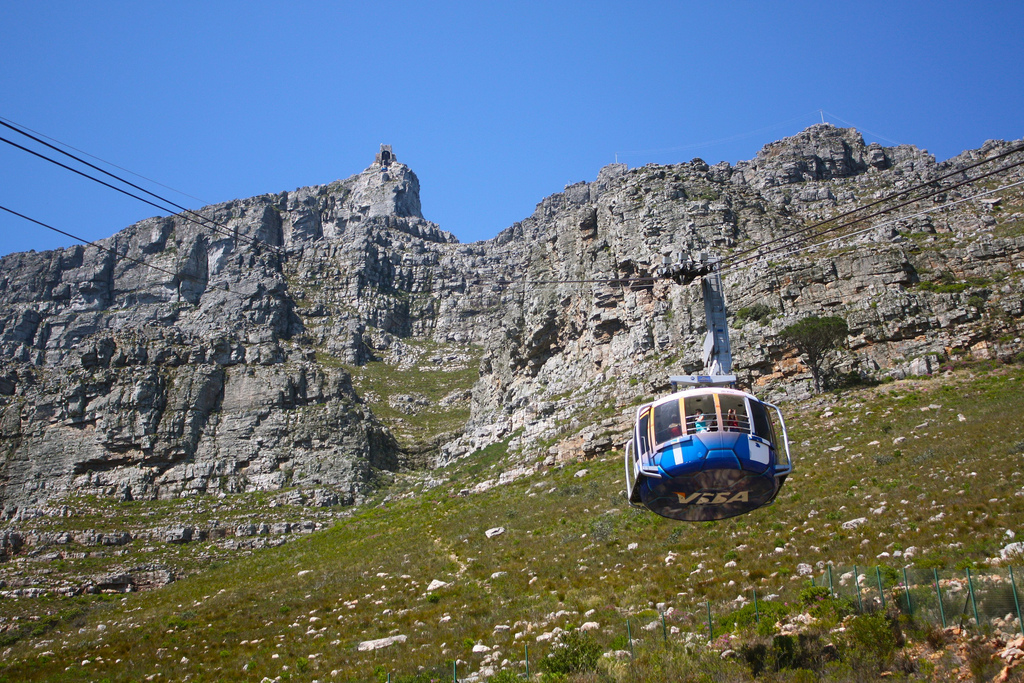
(870, 637)
(602, 529)
(620, 642)
(982, 661)
(576, 653)
(812, 595)
(804, 653)
(768, 612)
(757, 312)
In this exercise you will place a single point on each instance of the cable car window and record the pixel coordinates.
(667, 424)
(734, 413)
(700, 414)
(762, 424)
(642, 444)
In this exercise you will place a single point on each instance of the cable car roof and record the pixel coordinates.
(698, 391)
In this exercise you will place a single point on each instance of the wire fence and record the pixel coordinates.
(984, 602)
(945, 598)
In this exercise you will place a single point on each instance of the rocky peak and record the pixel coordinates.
(386, 194)
(385, 188)
(821, 152)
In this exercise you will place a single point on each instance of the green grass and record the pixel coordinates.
(565, 547)
(380, 381)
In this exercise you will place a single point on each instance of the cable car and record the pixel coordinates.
(710, 451)
(706, 453)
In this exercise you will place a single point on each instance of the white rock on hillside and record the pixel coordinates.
(379, 643)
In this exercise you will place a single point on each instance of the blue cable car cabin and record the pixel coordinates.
(706, 453)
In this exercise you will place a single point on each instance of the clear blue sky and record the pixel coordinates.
(494, 106)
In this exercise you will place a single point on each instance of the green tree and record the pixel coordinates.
(814, 337)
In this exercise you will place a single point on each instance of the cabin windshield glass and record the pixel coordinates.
(642, 443)
(762, 423)
(667, 424)
(734, 413)
(700, 414)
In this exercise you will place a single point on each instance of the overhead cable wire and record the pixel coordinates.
(116, 253)
(141, 262)
(216, 227)
(934, 209)
(762, 252)
(790, 245)
(845, 214)
(614, 281)
(859, 128)
(23, 127)
(646, 280)
(119, 178)
(726, 267)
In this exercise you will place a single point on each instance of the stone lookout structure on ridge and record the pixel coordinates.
(385, 156)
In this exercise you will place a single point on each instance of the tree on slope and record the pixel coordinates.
(814, 337)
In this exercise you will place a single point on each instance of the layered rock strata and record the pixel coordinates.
(234, 373)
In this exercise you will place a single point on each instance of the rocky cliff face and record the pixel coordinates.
(917, 290)
(231, 368)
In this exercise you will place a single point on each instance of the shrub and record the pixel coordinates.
(768, 612)
(602, 529)
(805, 652)
(870, 637)
(812, 595)
(758, 312)
(576, 653)
(982, 661)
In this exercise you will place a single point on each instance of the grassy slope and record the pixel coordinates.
(565, 548)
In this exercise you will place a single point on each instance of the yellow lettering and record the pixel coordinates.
(687, 499)
(741, 497)
(720, 498)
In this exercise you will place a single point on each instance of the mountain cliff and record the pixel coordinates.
(328, 336)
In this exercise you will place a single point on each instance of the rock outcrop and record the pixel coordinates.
(227, 366)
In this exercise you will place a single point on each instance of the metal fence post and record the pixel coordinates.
(974, 603)
(757, 616)
(526, 656)
(881, 592)
(831, 590)
(938, 594)
(455, 672)
(629, 635)
(1016, 602)
(856, 582)
(906, 586)
(711, 629)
